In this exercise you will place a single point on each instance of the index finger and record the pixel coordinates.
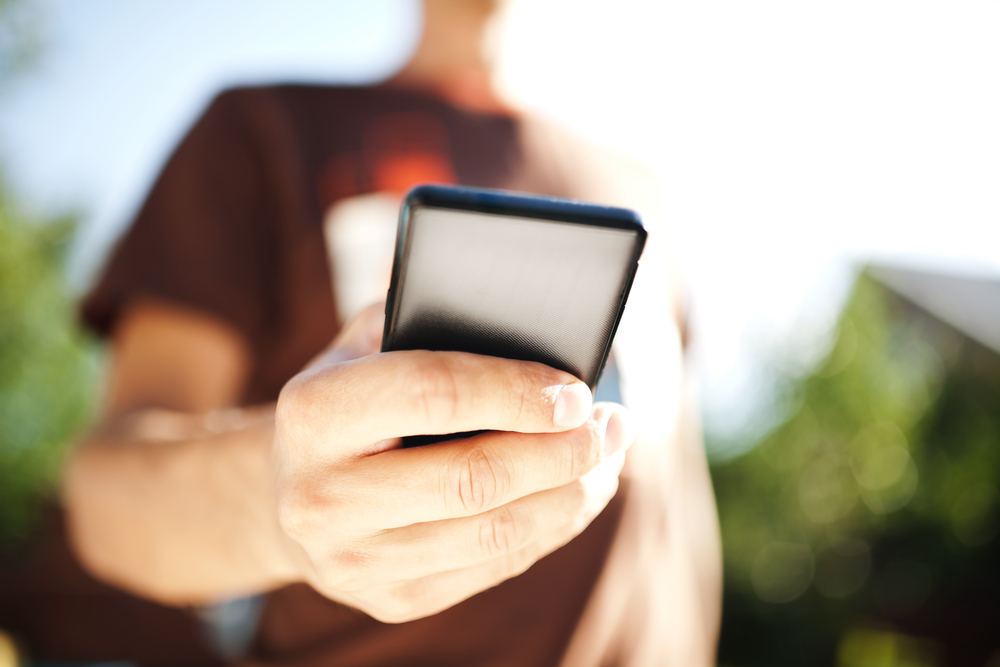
(417, 392)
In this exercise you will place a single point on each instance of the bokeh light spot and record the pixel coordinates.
(782, 572)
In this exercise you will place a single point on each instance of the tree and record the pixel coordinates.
(863, 530)
(48, 366)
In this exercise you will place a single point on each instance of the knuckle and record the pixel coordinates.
(522, 391)
(398, 604)
(593, 444)
(295, 411)
(520, 397)
(523, 383)
(293, 396)
(434, 387)
(306, 514)
(347, 570)
(296, 516)
(285, 410)
(500, 532)
(481, 479)
(291, 523)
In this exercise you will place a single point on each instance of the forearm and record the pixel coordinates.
(179, 508)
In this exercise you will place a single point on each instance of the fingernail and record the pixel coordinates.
(619, 433)
(572, 405)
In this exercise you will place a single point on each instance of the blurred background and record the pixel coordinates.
(830, 172)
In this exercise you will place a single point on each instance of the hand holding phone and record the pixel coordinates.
(509, 275)
(403, 533)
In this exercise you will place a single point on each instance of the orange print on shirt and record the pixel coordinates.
(398, 152)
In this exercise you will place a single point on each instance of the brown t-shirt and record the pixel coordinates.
(234, 224)
(234, 228)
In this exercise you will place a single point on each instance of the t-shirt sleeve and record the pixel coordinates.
(200, 239)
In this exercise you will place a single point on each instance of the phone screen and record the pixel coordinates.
(541, 280)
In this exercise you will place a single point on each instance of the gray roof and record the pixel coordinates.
(971, 304)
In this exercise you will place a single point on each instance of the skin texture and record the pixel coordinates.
(187, 507)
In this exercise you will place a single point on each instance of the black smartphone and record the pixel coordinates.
(511, 275)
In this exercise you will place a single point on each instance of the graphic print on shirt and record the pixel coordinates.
(362, 192)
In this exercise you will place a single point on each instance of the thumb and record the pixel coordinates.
(361, 336)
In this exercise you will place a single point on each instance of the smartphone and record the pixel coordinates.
(511, 275)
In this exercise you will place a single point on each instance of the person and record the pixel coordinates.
(239, 452)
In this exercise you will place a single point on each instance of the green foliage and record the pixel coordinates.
(48, 367)
(877, 496)
(844, 461)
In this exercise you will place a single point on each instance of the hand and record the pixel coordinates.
(404, 533)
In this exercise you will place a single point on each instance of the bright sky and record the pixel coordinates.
(794, 139)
